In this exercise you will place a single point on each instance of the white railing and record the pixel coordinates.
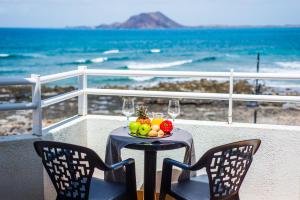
(82, 73)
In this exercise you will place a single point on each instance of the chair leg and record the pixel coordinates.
(235, 197)
(162, 196)
(131, 182)
(166, 180)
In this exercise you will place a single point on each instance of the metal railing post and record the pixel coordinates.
(37, 116)
(82, 85)
(230, 97)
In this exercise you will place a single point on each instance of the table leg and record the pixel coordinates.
(149, 175)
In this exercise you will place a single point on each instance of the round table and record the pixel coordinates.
(120, 138)
(150, 157)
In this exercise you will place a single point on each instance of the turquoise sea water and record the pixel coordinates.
(47, 51)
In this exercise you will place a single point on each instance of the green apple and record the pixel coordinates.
(144, 129)
(134, 127)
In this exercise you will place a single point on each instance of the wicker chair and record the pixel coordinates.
(71, 168)
(226, 167)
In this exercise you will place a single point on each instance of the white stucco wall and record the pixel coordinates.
(274, 174)
(21, 174)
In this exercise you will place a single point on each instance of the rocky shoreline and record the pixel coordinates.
(19, 122)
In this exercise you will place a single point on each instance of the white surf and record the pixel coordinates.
(157, 65)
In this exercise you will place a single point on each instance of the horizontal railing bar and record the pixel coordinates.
(183, 74)
(265, 76)
(162, 94)
(265, 98)
(60, 76)
(60, 98)
(17, 106)
(16, 81)
(192, 74)
(193, 95)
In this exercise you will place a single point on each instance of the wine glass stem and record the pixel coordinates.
(173, 122)
(127, 120)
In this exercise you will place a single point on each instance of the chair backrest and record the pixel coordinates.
(226, 167)
(70, 167)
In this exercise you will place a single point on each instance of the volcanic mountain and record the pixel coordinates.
(152, 20)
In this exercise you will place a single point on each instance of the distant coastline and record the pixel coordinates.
(189, 28)
(157, 20)
(291, 26)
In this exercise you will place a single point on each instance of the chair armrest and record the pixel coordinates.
(130, 177)
(167, 174)
(171, 162)
(121, 164)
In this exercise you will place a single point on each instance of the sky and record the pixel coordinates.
(61, 13)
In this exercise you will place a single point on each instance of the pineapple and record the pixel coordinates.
(142, 115)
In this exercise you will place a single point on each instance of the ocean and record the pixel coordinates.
(46, 51)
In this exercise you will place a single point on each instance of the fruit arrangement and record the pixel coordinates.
(147, 128)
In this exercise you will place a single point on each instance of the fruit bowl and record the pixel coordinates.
(144, 127)
(136, 129)
(148, 137)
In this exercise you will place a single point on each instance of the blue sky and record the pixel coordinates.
(59, 13)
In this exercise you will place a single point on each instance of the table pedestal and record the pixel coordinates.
(149, 174)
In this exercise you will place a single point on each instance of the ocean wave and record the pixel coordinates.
(207, 59)
(34, 55)
(85, 61)
(98, 60)
(101, 59)
(291, 65)
(141, 78)
(4, 55)
(88, 61)
(10, 56)
(118, 58)
(155, 50)
(81, 61)
(157, 65)
(232, 55)
(20, 56)
(113, 51)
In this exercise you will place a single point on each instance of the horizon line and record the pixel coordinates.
(185, 27)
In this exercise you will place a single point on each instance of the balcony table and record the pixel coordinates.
(120, 138)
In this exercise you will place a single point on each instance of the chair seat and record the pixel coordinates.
(101, 189)
(195, 188)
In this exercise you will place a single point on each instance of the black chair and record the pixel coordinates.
(71, 168)
(226, 167)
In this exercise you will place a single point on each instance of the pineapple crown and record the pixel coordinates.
(141, 111)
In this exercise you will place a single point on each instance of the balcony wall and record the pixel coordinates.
(21, 172)
(274, 174)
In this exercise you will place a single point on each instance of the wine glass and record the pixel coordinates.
(174, 108)
(128, 108)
